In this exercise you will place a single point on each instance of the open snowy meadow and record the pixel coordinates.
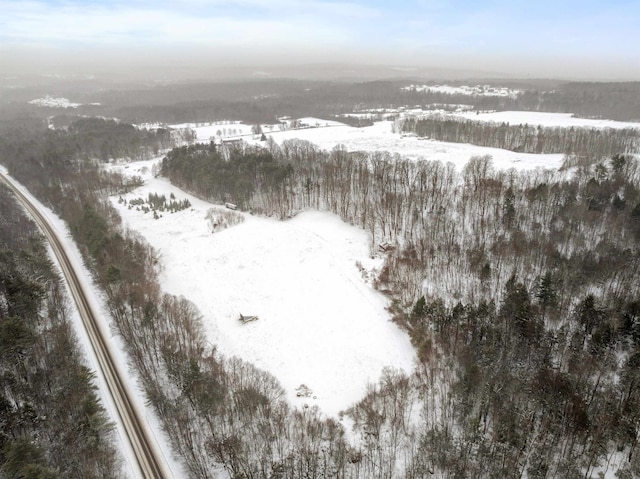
(321, 323)
(564, 120)
(381, 137)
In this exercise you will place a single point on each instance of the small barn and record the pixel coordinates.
(244, 319)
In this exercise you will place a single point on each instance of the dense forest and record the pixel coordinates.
(52, 424)
(519, 291)
(615, 100)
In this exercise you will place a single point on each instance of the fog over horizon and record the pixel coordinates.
(175, 66)
(198, 39)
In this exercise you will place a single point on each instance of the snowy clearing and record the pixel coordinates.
(377, 137)
(229, 129)
(380, 137)
(208, 131)
(565, 120)
(320, 323)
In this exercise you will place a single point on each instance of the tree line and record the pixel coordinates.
(589, 144)
(107, 139)
(613, 100)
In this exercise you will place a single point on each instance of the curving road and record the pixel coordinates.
(151, 463)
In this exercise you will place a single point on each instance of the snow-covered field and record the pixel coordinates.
(221, 129)
(208, 131)
(565, 120)
(320, 322)
(380, 137)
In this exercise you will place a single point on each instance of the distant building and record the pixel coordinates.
(285, 122)
(232, 142)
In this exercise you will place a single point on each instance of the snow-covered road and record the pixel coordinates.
(143, 445)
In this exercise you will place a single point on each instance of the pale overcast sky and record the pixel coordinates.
(560, 38)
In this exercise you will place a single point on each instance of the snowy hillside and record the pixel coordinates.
(320, 323)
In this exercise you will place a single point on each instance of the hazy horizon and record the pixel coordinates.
(190, 39)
